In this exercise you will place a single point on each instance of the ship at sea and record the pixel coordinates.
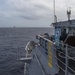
(52, 54)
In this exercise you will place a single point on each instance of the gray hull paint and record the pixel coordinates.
(43, 58)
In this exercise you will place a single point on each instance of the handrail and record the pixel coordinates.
(60, 67)
(45, 38)
(60, 60)
(60, 52)
(71, 58)
(66, 54)
(71, 69)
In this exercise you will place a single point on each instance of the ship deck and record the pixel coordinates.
(34, 67)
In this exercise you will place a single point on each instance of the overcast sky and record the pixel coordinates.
(33, 13)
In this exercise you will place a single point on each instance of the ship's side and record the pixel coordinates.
(45, 54)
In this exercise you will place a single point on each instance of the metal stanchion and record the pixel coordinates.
(66, 66)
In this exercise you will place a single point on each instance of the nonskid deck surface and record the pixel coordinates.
(34, 67)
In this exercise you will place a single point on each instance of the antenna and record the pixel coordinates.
(54, 10)
(55, 17)
(69, 13)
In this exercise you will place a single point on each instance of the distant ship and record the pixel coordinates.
(14, 27)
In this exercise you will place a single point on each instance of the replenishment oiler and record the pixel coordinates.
(52, 55)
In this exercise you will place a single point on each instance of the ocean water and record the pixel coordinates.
(12, 40)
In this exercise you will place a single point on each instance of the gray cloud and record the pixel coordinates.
(39, 11)
(35, 9)
(29, 17)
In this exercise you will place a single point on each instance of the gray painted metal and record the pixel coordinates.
(63, 61)
(40, 52)
(34, 67)
(27, 59)
(70, 23)
(66, 71)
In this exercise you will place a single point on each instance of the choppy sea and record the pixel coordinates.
(12, 40)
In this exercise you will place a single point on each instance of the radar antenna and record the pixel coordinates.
(69, 13)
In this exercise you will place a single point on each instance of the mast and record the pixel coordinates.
(69, 13)
(54, 9)
(55, 17)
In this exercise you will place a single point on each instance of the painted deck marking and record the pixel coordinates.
(49, 54)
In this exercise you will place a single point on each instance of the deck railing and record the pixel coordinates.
(24, 56)
(21, 52)
(67, 59)
(65, 56)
